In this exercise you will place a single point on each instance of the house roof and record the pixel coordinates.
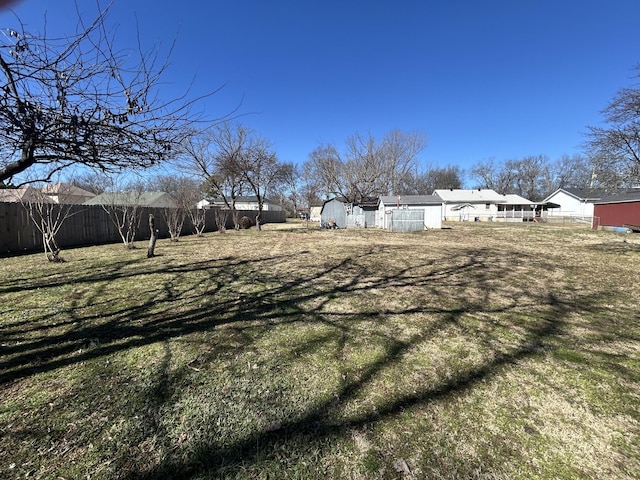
(621, 196)
(454, 195)
(586, 193)
(582, 194)
(513, 199)
(66, 189)
(411, 200)
(144, 199)
(366, 202)
(23, 194)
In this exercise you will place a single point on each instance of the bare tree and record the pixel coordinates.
(368, 167)
(214, 156)
(326, 165)
(365, 169)
(287, 193)
(261, 171)
(124, 207)
(615, 149)
(493, 175)
(530, 174)
(522, 177)
(185, 192)
(220, 216)
(310, 190)
(78, 100)
(570, 171)
(46, 215)
(91, 181)
(198, 217)
(424, 182)
(533, 177)
(400, 151)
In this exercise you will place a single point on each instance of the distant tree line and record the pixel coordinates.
(368, 167)
(533, 177)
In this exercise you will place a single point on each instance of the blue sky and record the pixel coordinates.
(481, 78)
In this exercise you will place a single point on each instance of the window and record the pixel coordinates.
(487, 206)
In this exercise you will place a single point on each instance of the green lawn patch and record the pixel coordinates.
(475, 352)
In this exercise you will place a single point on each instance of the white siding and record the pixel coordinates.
(569, 206)
(254, 206)
(432, 214)
(468, 212)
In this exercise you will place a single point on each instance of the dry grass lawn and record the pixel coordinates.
(478, 351)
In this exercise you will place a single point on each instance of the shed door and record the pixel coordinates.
(406, 220)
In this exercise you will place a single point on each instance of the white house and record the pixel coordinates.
(466, 205)
(251, 203)
(409, 212)
(242, 203)
(515, 209)
(574, 202)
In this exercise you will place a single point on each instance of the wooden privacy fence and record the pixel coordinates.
(91, 225)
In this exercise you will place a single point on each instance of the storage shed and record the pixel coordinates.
(618, 210)
(410, 212)
(340, 213)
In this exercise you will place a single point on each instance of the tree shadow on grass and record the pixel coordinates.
(318, 425)
(254, 296)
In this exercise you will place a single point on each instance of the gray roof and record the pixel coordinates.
(411, 200)
(365, 202)
(586, 193)
(621, 196)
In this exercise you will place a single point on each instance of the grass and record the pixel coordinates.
(480, 351)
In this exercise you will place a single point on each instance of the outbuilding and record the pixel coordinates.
(619, 210)
(410, 212)
(340, 213)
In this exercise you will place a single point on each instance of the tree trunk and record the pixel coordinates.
(258, 218)
(153, 238)
(51, 249)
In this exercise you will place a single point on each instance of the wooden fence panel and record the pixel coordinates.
(91, 225)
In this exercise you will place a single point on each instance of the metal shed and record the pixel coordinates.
(333, 213)
(342, 214)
